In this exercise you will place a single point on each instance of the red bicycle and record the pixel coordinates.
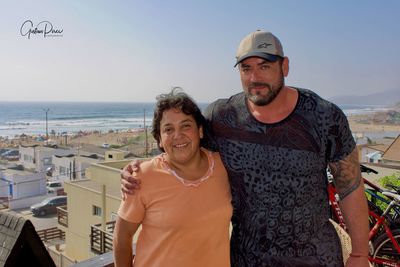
(384, 235)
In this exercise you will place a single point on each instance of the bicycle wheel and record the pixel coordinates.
(385, 250)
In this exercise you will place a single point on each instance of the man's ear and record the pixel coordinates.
(285, 66)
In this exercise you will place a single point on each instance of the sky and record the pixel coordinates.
(131, 51)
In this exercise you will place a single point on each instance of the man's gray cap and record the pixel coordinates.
(259, 44)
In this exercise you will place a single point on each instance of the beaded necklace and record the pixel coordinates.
(186, 182)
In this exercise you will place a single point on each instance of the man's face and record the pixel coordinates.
(262, 80)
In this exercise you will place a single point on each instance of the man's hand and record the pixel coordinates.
(129, 181)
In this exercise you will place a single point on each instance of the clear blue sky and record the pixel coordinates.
(134, 50)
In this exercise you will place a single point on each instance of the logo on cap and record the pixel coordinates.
(263, 45)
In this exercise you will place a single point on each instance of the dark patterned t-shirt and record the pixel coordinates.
(278, 180)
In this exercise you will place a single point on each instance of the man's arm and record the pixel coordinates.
(353, 204)
(122, 242)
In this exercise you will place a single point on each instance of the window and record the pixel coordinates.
(63, 170)
(96, 210)
(47, 161)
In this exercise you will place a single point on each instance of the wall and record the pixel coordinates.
(26, 185)
(26, 202)
(27, 157)
(82, 195)
(108, 173)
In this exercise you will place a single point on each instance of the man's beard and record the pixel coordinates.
(260, 99)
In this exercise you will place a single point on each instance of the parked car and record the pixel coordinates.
(3, 150)
(53, 186)
(105, 145)
(10, 155)
(48, 205)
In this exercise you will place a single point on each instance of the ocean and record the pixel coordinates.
(29, 118)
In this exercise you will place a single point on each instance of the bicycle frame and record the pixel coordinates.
(381, 220)
(334, 202)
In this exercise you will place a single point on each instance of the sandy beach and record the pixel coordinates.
(358, 127)
(118, 138)
(373, 123)
(359, 124)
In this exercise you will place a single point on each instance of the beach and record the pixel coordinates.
(370, 127)
(357, 126)
(360, 124)
(376, 124)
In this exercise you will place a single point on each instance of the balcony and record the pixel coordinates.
(62, 215)
(102, 241)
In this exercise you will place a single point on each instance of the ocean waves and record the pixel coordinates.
(18, 118)
(12, 129)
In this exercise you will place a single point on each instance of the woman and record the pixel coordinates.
(184, 204)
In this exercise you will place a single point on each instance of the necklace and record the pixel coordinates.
(186, 182)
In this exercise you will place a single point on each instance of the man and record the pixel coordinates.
(276, 142)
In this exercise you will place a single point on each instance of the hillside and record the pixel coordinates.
(384, 98)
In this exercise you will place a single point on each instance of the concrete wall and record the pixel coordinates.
(22, 203)
(108, 173)
(23, 184)
(80, 217)
(69, 163)
(27, 157)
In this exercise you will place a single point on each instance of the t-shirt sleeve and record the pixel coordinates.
(340, 141)
(209, 141)
(132, 208)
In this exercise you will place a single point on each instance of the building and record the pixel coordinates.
(372, 153)
(39, 158)
(22, 188)
(89, 218)
(71, 167)
(20, 244)
(392, 154)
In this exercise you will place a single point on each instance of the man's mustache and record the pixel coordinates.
(257, 84)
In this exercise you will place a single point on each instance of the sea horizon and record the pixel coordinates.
(67, 117)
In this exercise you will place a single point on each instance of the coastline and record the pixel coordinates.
(371, 125)
(375, 124)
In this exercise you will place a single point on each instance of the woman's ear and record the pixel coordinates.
(201, 132)
(159, 143)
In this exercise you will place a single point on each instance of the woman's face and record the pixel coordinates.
(180, 136)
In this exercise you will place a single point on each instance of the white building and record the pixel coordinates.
(372, 153)
(71, 167)
(22, 188)
(39, 158)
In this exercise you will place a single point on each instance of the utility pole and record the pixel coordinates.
(145, 132)
(47, 128)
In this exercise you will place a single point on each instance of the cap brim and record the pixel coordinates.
(265, 56)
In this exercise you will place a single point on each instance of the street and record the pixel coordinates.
(40, 223)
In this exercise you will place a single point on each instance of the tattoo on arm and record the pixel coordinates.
(346, 173)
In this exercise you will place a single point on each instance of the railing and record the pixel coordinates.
(102, 241)
(51, 234)
(103, 260)
(62, 215)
